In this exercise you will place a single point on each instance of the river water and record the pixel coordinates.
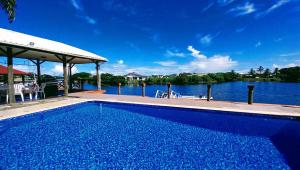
(264, 92)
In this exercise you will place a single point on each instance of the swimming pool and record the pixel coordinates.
(113, 135)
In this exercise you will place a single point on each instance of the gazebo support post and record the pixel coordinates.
(38, 63)
(11, 90)
(38, 70)
(98, 75)
(70, 75)
(66, 92)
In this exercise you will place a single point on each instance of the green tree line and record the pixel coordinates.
(291, 74)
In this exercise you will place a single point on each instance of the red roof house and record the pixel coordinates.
(3, 71)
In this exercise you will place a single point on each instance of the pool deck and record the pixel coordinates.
(36, 106)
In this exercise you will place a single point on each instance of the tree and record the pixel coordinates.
(252, 72)
(81, 75)
(9, 7)
(276, 72)
(291, 74)
(260, 69)
(267, 73)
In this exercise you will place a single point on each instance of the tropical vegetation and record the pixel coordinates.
(9, 7)
(291, 74)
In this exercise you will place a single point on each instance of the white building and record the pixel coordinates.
(134, 77)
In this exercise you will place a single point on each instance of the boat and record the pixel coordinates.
(175, 95)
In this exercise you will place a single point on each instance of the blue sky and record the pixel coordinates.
(162, 37)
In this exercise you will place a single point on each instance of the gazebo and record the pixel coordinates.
(38, 50)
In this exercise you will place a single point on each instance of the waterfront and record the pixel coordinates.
(264, 92)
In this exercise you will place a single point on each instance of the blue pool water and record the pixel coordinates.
(108, 135)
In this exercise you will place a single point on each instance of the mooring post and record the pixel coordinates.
(119, 88)
(143, 89)
(208, 92)
(250, 93)
(169, 90)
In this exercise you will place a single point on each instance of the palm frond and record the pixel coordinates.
(9, 7)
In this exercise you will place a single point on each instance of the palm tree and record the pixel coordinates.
(276, 72)
(252, 72)
(267, 73)
(9, 7)
(260, 69)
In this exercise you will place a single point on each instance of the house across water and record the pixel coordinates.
(134, 77)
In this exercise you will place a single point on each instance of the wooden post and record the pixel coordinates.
(143, 89)
(250, 93)
(98, 75)
(208, 92)
(23, 79)
(80, 83)
(119, 88)
(169, 90)
(11, 90)
(70, 76)
(65, 77)
(38, 70)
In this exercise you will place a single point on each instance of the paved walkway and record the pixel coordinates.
(36, 106)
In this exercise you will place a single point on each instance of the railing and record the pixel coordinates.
(172, 94)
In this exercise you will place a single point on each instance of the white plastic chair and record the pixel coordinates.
(18, 91)
(40, 90)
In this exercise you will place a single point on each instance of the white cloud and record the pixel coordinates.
(25, 68)
(207, 7)
(258, 44)
(245, 9)
(81, 13)
(290, 54)
(196, 53)
(76, 4)
(57, 69)
(273, 7)
(120, 62)
(175, 53)
(286, 66)
(166, 63)
(205, 40)
(89, 20)
(201, 63)
(225, 2)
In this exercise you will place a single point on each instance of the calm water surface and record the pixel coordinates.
(264, 92)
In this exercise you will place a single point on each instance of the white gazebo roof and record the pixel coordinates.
(31, 47)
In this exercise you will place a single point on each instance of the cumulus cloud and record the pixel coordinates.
(25, 68)
(198, 63)
(57, 69)
(245, 9)
(202, 63)
(195, 53)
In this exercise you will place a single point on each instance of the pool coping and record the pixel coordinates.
(26, 110)
(254, 112)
